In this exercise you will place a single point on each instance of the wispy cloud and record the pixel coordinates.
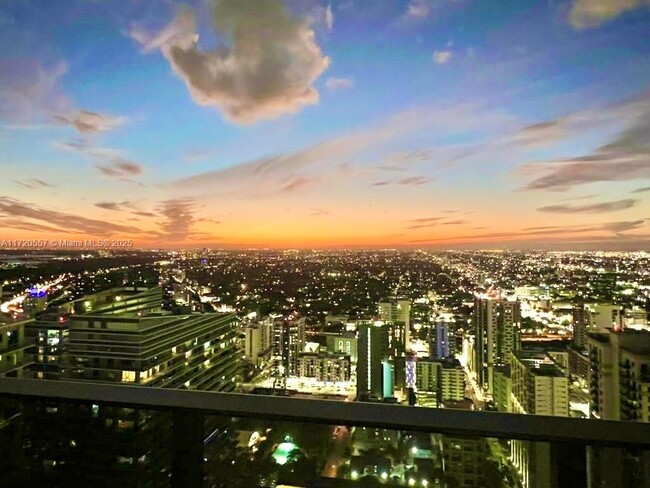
(108, 161)
(585, 14)
(641, 190)
(33, 183)
(626, 157)
(321, 160)
(117, 206)
(192, 155)
(179, 217)
(418, 9)
(413, 180)
(334, 84)
(442, 57)
(267, 69)
(119, 167)
(329, 17)
(91, 122)
(31, 92)
(603, 207)
(52, 220)
(616, 228)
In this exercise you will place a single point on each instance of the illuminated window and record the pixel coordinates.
(128, 376)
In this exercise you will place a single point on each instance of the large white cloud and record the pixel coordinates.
(266, 67)
(591, 13)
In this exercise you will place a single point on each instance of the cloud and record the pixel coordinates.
(179, 218)
(266, 69)
(329, 17)
(117, 206)
(413, 180)
(144, 214)
(33, 183)
(119, 167)
(418, 9)
(29, 91)
(426, 222)
(295, 183)
(442, 57)
(334, 84)
(641, 190)
(59, 221)
(626, 157)
(540, 134)
(426, 219)
(192, 155)
(616, 228)
(91, 122)
(585, 14)
(455, 222)
(591, 208)
(326, 156)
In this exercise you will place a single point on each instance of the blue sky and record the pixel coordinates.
(296, 123)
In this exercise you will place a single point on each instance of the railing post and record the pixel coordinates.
(568, 464)
(187, 449)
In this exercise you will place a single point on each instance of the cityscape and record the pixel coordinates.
(325, 243)
(562, 334)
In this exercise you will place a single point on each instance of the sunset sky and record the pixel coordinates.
(305, 124)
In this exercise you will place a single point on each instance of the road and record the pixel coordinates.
(340, 440)
(15, 303)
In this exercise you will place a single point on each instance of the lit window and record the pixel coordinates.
(128, 376)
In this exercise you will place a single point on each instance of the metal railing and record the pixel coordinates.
(571, 436)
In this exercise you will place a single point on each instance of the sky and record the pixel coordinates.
(342, 124)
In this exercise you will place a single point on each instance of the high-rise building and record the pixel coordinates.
(398, 312)
(345, 343)
(439, 380)
(620, 374)
(326, 367)
(619, 385)
(497, 322)
(289, 339)
(581, 322)
(372, 350)
(124, 336)
(258, 340)
(539, 387)
(442, 345)
(13, 350)
(502, 388)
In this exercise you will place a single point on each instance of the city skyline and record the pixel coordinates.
(305, 124)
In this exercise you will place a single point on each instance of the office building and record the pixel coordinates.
(497, 323)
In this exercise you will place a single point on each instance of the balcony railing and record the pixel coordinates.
(61, 432)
